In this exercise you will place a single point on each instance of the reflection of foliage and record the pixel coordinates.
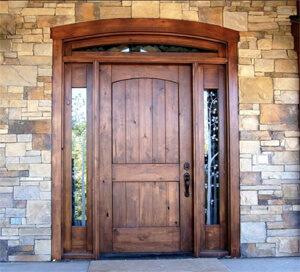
(79, 125)
(211, 156)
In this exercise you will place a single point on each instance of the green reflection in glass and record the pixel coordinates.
(79, 169)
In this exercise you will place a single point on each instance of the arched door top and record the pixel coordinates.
(154, 26)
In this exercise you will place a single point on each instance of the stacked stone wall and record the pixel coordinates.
(269, 135)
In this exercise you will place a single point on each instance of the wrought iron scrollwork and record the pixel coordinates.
(211, 156)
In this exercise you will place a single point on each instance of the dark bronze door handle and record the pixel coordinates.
(187, 182)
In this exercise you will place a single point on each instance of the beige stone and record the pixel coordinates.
(15, 149)
(211, 15)
(288, 245)
(38, 212)
(42, 247)
(250, 147)
(245, 165)
(35, 60)
(290, 190)
(274, 54)
(46, 156)
(289, 97)
(286, 84)
(249, 198)
(235, 20)
(249, 123)
(43, 49)
(190, 15)
(65, 11)
(249, 53)
(38, 11)
(286, 157)
(40, 170)
(115, 12)
(145, 9)
(256, 90)
(5, 45)
(3, 7)
(49, 21)
(8, 24)
(264, 44)
(264, 65)
(85, 12)
(278, 114)
(287, 10)
(260, 19)
(33, 38)
(292, 144)
(262, 26)
(170, 10)
(283, 42)
(286, 66)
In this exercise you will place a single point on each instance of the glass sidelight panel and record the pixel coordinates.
(211, 137)
(79, 152)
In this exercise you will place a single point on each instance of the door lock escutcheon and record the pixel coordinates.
(186, 166)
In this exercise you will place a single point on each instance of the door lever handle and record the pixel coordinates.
(187, 182)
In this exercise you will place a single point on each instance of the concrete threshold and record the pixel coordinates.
(163, 265)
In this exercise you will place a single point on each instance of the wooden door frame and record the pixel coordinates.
(166, 31)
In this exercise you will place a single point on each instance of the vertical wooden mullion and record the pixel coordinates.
(67, 162)
(233, 151)
(89, 156)
(199, 177)
(105, 159)
(56, 165)
(96, 172)
(185, 155)
(222, 160)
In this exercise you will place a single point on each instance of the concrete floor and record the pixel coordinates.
(291, 264)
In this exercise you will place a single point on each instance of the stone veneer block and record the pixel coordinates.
(170, 10)
(26, 192)
(286, 84)
(278, 114)
(256, 90)
(18, 75)
(235, 20)
(40, 170)
(38, 212)
(43, 246)
(283, 42)
(253, 232)
(115, 12)
(249, 198)
(145, 9)
(85, 12)
(29, 127)
(15, 149)
(211, 15)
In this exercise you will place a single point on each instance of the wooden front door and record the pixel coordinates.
(145, 156)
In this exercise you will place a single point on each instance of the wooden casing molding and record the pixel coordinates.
(164, 31)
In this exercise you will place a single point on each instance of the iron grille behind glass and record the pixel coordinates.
(211, 136)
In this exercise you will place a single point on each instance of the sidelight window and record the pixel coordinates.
(211, 137)
(79, 163)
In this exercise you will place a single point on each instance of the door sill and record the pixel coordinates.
(213, 253)
(150, 255)
(79, 255)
